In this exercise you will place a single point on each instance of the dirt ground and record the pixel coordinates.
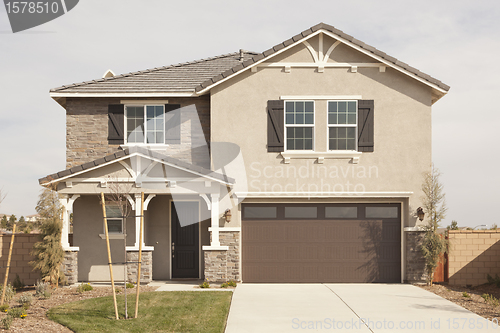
(475, 302)
(36, 319)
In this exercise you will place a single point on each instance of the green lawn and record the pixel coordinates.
(164, 311)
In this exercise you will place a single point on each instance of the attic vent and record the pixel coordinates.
(108, 74)
(242, 53)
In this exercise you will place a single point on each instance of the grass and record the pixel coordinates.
(164, 311)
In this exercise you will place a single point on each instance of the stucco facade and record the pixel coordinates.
(223, 177)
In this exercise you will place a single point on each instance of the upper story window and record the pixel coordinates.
(145, 124)
(299, 125)
(342, 125)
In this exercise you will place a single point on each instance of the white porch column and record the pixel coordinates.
(67, 204)
(138, 220)
(215, 220)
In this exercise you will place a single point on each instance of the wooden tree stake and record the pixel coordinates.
(8, 263)
(140, 257)
(109, 254)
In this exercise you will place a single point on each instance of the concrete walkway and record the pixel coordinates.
(367, 308)
(187, 285)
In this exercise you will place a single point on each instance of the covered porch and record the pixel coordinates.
(185, 234)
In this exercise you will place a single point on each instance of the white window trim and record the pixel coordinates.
(342, 125)
(144, 105)
(299, 125)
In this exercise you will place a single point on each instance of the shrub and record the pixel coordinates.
(17, 313)
(205, 284)
(25, 300)
(4, 307)
(490, 299)
(465, 294)
(7, 322)
(224, 285)
(84, 287)
(232, 283)
(9, 292)
(18, 284)
(42, 289)
(129, 285)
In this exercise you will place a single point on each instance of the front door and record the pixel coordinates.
(185, 240)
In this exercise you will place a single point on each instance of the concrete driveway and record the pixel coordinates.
(347, 308)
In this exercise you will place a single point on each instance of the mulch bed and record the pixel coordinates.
(37, 321)
(475, 303)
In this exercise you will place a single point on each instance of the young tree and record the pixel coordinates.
(49, 253)
(453, 225)
(10, 223)
(434, 244)
(4, 222)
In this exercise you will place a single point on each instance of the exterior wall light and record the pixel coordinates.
(227, 215)
(420, 213)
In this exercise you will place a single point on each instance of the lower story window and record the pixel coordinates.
(342, 138)
(114, 219)
(299, 138)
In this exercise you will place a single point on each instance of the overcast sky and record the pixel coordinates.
(457, 42)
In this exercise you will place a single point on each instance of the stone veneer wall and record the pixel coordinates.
(146, 266)
(473, 255)
(223, 266)
(87, 130)
(415, 262)
(70, 266)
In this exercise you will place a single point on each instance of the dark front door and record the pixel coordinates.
(185, 240)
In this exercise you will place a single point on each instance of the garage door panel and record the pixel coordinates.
(321, 250)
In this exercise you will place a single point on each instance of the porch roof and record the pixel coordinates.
(136, 151)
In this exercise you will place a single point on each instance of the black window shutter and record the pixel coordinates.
(116, 124)
(365, 126)
(275, 124)
(172, 123)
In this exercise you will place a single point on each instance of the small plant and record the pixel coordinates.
(490, 299)
(9, 292)
(231, 283)
(42, 289)
(4, 307)
(205, 284)
(465, 294)
(117, 290)
(7, 322)
(18, 284)
(17, 313)
(129, 285)
(224, 285)
(494, 280)
(25, 301)
(84, 287)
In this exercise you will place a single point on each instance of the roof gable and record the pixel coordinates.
(440, 89)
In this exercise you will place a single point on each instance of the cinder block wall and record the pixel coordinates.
(473, 255)
(23, 244)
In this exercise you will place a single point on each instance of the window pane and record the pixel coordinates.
(333, 144)
(299, 107)
(299, 144)
(301, 212)
(382, 212)
(135, 124)
(341, 212)
(260, 212)
(289, 118)
(351, 118)
(115, 226)
(332, 107)
(289, 106)
(299, 118)
(351, 106)
(290, 144)
(342, 144)
(299, 132)
(351, 144)
(155, 131)
(351, 131)
(342, 107)
(308, 132)
(332, 119)
(309, 118)
(342, 118)
(309, 107)
(308, 144)
(341, 132)
(113, 211)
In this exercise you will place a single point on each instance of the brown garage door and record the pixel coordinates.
(292, 243)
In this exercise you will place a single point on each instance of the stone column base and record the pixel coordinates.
(146, 266)
(224, 265)
(415, 261)
(70, 266)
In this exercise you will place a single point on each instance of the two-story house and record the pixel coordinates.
(303, 163)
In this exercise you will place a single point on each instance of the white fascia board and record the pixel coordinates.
(317, 97)
(261, 61)
(386, 62)
(141, 155)
(179, 94)
(268, 195)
